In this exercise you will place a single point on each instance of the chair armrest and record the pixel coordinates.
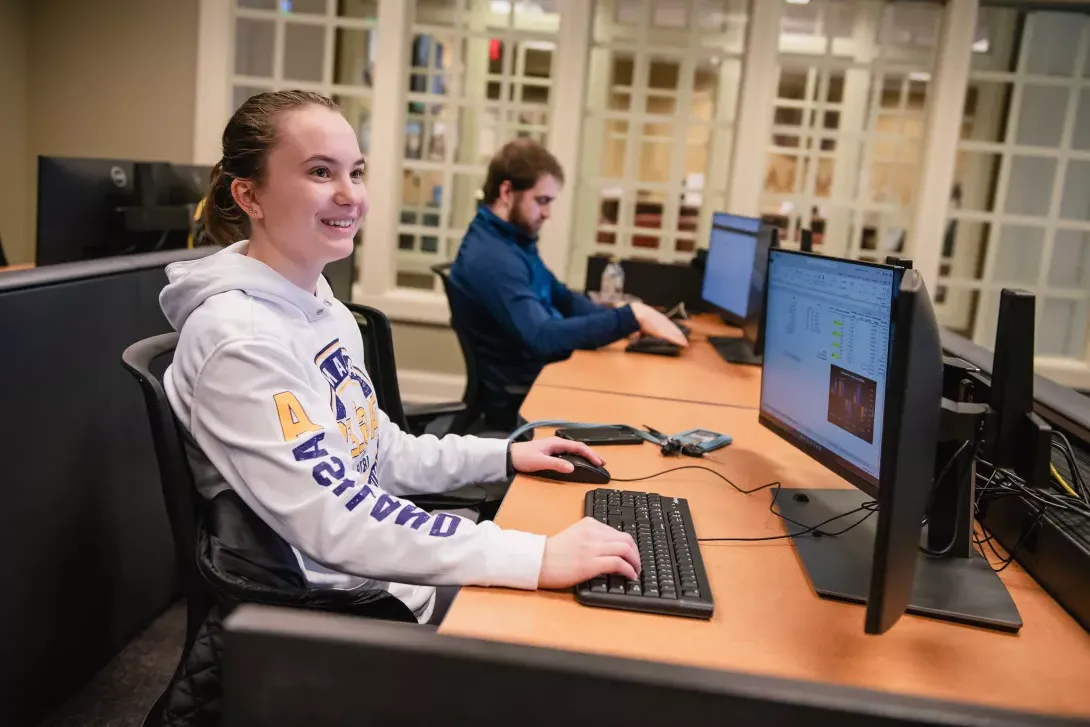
(465, 497)
(420, 416)
(431, 411)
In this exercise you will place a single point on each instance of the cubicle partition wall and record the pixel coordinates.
(87, 552)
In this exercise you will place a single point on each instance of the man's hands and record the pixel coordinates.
(653, 323)
(537, 455)
(586, 550)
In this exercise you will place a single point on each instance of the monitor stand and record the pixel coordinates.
(735, 349)
(963, 590)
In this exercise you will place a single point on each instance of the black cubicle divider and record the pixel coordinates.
(655, 283)
(87, 552)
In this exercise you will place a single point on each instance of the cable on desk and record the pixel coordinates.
(1001, 482)
(871, 507)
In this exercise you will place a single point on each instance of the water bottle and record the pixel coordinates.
(612, 288)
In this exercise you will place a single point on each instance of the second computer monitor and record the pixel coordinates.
(731, 247)
(827, 336)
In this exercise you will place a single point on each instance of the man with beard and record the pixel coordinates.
(511, 309)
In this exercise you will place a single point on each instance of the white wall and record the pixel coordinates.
(15, 220)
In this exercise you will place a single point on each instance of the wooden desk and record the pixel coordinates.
(698, 375)
(767, 619)
(13, 268)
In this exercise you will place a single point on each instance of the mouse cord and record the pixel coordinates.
(870, 507)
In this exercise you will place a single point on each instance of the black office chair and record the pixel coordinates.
(378, 355)
(3, 258)
(469, 420)
(225, 555)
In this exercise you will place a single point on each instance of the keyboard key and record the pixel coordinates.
(616, 584)
(598, 585)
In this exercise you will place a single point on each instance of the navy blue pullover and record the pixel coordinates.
(515, 313)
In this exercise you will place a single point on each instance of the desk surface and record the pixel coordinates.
(699, 374)
(13, 268)
(767, 619)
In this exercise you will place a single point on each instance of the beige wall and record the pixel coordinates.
(422, 347)
(113, 79)
(15, 229)
(107, 79)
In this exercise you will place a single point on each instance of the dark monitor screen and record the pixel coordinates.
(80, 203)
(729, 266)
(827, 336)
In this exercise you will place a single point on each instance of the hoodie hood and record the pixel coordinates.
(192, 282)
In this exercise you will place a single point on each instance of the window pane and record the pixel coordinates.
(1063, 336)
(304, 48)
(975, 173)
(241, 93)
(663, 74)
(1081, 138)
(1070, 260)
(1018, 256)
(254, 47)
(1055, 41)
(367, 9)
(1041, 119)
(985, 108)
(358, 112)
(307, 7)
(1030, 185)
(354, 57)
(1076, 199)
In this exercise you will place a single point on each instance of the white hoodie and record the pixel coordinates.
(269, 381)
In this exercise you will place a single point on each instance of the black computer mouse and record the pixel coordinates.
(584, 471)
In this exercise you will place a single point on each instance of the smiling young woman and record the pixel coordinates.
(269, 382)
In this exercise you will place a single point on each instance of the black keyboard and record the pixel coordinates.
(673, 580)
(652, 344)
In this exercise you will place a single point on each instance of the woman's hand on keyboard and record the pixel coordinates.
(655, 324)
(586, 550)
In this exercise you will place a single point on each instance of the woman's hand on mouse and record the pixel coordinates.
(539, 455)
(585, 550)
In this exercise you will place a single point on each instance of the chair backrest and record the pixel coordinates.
(472, 395)
(179, 491)
(378, 355)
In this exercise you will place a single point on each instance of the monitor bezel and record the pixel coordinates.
(729, 316)
(834, 462)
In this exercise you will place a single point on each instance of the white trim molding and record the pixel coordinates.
(946, 101)
(215, 64)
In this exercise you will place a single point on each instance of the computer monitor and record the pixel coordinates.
(853, 377)
(92, 208)
(747, 348)
(827, 337)
(729, 265)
